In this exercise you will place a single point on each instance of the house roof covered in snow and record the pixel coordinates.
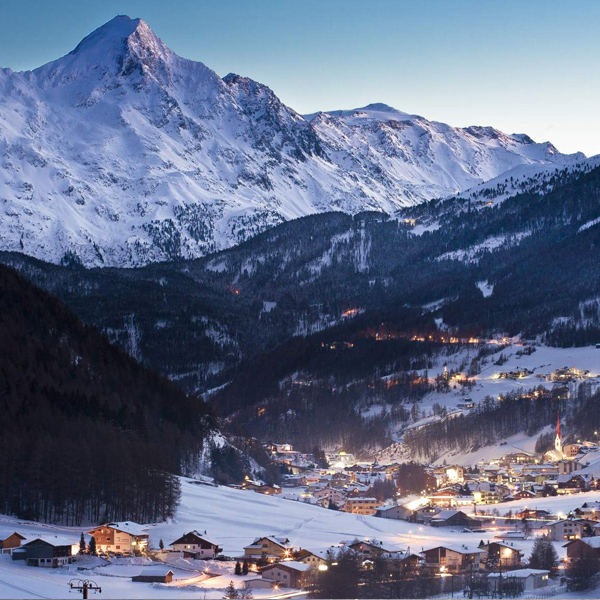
(592, 542)
(52, 540)
(126, 527)
(156, 571)
(197, 534)
(443, 515)
(282, 542)
(294, 565)
(582, 521)
(457, 548)
(519, 573)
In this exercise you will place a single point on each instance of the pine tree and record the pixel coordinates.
(161, 544)
(92, 546)
(231, 592)
(245, 568)
(82, 546)
(543, 555)
(238, 568)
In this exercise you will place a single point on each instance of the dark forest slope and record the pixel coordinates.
(196, 321)
(87, 432)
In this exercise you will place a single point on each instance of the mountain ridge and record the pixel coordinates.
(121, 153)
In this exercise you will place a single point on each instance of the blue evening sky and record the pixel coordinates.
(522, 66)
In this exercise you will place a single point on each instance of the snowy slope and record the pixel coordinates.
(429, 159)
(525, 178)
(543, 361)
(223, 513)
(123, 153)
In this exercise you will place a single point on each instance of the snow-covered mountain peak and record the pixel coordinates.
(113, 35)
(523, 138)
(375, 112)
(380, 107)
(120, 37)
(122, 47)
(122, 153)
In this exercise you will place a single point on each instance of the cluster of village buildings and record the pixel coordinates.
(272, 561)
(346, 485)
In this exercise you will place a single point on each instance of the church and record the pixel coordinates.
(557, 453)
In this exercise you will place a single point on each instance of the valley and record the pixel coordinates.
(248, 352)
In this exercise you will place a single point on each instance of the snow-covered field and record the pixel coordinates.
(544, 360)
(233, 518)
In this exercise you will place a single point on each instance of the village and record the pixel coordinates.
(471, 529)
(473, 524)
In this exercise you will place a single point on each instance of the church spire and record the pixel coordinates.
(557, 439)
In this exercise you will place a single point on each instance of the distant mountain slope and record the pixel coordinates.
(527, 264)
(121, 153)
(88, 434)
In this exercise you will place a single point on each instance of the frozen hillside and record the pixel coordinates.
(122, 153)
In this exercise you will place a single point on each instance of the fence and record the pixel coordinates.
(551, 592)
(540, 594)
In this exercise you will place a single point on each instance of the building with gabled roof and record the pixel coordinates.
(124, 536)
(269, 547)
(574, 482)
(260, 487)
(288, 573)
(311, 558)
(375, 548)
(569, 529)
(589, 510)
(10, 542)
(154, 574)
(50, 551)
(394, 512)
(503, 554)
(196, 545)
(583, 548)
(361, 505)
(530, 579)
(453, 518)
(454, 558)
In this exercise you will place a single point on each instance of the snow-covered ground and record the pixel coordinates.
(520, 442)
(559, 505)
(543, 361)
(233, 518)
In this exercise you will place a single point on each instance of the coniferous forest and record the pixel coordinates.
(88, 434)
(315, 314)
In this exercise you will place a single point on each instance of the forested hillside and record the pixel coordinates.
(88, 434)
(272, 319)
(536, 253)
(495, 421)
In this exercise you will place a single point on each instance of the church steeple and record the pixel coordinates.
(557, 440)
